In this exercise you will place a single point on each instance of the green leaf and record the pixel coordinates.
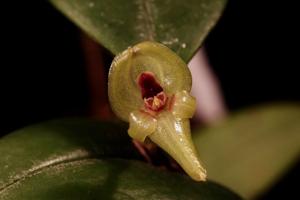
(117, 24)
(111, 179)
(39, 146)
(68, 160)
(252, 149)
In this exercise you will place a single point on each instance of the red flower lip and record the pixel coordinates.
(154, 97)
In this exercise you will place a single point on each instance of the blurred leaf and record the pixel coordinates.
(66, 160)
(252, 149)
(117, 24)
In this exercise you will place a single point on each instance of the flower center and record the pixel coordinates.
(152, 93)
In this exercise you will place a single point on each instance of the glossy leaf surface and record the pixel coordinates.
(111, 179)
(117, 24)
(68, 160)
(39, 146)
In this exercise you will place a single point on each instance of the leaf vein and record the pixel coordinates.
(69, 158)
(145, 19)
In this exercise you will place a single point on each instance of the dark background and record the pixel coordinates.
(252, 50)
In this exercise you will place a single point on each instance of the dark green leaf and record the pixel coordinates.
(252, 149)
(110, 179)
(66, 160)
(117, 24)
(33, 148)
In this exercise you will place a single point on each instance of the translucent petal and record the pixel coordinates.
(174, 136)
(141, 125)
(184, 105)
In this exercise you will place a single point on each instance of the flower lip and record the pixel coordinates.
(148, 85)
(152, 93)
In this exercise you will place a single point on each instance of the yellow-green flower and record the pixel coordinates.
(149, 88)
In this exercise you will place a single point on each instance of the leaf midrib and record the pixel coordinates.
(72, 157)
(145, 19)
